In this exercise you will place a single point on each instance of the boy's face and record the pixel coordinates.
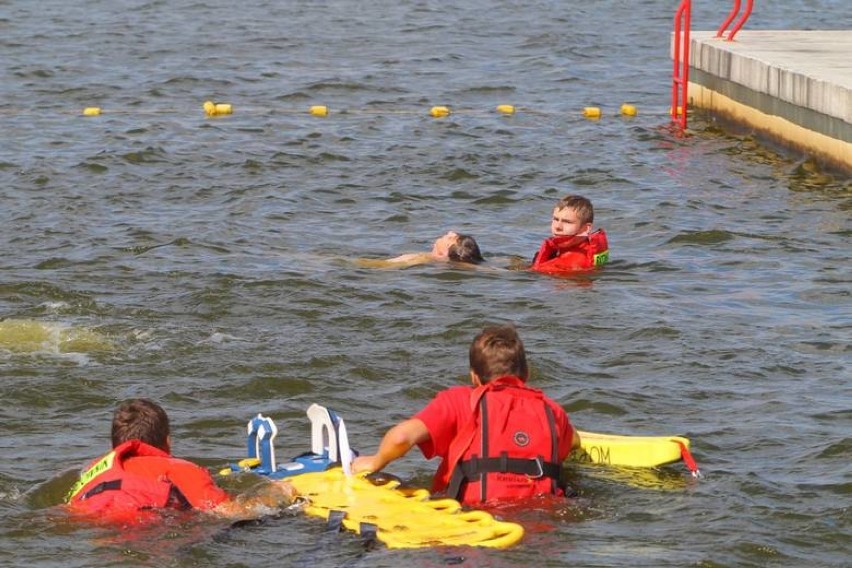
(566, 222)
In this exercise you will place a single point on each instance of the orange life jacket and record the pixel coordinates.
(107, 490)
(562, 254)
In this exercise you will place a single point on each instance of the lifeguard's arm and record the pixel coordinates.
(275, 494)
(394, 445)
(575, 443)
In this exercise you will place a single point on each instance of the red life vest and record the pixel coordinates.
(571, 253)
(107, 490)
(509, 448)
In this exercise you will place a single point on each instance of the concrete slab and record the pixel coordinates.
(795, 86)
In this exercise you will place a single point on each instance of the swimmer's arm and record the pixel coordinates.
(410, 258)
(276, 494)
(401, 261)
(395, 444)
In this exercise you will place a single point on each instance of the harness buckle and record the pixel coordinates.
(540, 473)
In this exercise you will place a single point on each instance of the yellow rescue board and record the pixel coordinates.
(402, 518)
(629, 451)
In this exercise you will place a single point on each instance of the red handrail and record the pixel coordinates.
(680, 56)
(731, 15)
(730, 18)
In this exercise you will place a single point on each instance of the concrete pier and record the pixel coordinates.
(792, 86)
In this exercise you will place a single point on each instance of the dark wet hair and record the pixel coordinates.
(465, 249)
(141, 419)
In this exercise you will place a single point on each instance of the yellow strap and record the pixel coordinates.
(98, 468)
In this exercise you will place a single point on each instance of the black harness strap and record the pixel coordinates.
(175, 500)
(556, 481)
(335, 521)
(367, 529)
(369, 535)
(535, 468)
(113, 485)
(483, 479)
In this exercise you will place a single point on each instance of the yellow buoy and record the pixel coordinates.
(318, 110)
(506, 109)
(439, 111)
(592, 112)
(628, 110)
(91, 111)
(217, 109)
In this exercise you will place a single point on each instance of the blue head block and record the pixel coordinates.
(260, 445)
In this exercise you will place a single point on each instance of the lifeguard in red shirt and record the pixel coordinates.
(574, 246)
(140, 476)
(498, 439)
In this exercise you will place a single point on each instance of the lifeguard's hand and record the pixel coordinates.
(365, 463)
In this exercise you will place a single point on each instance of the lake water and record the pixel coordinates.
(208, 263)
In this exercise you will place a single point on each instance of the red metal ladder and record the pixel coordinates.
(680, 56)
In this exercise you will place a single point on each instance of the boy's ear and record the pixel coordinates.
(169, 444)
(474, 378)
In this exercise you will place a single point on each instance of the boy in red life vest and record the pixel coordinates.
(573, 245)
(140, 476)
(497, 438)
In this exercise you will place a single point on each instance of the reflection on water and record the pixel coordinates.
(670, 478)
(31, 336)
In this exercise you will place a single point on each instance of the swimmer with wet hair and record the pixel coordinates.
(449, 247)
(459, 248)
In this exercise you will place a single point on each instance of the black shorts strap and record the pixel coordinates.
(454, 487)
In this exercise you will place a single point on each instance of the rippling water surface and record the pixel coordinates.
(209, 264)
